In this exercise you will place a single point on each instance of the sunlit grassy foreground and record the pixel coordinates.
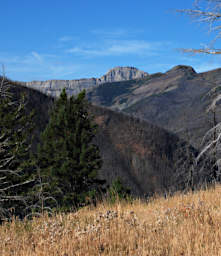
(181, 225)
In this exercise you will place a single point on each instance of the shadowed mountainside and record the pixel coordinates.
(177, 100)
(147, 158)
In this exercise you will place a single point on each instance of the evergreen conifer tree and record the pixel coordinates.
(67, 158)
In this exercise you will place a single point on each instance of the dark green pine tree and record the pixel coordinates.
(67, 158)
(16, 175)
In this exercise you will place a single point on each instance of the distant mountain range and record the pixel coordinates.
(147, 158)
(54, 87)
(146, 122)
(176, 100)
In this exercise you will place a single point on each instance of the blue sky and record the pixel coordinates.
(71, 39)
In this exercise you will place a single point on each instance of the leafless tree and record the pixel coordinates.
(8, 155)
(38, 205)
(209, 12)
(34, 201)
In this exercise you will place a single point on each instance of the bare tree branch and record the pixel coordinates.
(206, 50)
(209, 12)
(13, 146)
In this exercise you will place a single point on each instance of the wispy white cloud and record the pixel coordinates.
(62, 70)
(131, 47)
(65, 38)
(34, 58)
(37, 56)
(102, 49)
(5, 59)
(116, 33)
(111, 33)
(118, 48)
(115, 42)
(37, 66)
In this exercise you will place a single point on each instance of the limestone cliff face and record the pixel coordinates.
(121, 74)
(54, 87)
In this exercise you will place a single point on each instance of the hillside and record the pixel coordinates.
(180, 225)
(164, 99)
(147, 158)
(177, 100)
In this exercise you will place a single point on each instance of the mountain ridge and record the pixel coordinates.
(176, 100)
(54, 87)
(147, 158)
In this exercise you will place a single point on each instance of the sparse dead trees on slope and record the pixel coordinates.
(15, 171)
(211, 148)
(209, 12)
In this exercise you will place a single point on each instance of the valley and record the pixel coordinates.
(149, 128)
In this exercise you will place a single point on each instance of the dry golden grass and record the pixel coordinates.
(181, 225)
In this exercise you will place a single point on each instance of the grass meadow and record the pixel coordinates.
(184, 224)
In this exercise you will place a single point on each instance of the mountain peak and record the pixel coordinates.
(122, 74)
(182, 68)
(117, 74)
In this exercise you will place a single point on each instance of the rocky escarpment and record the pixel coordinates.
(122, 74)
(54, 87)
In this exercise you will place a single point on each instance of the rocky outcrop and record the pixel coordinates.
(182, 69)
(122, 74)
(54, 87)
